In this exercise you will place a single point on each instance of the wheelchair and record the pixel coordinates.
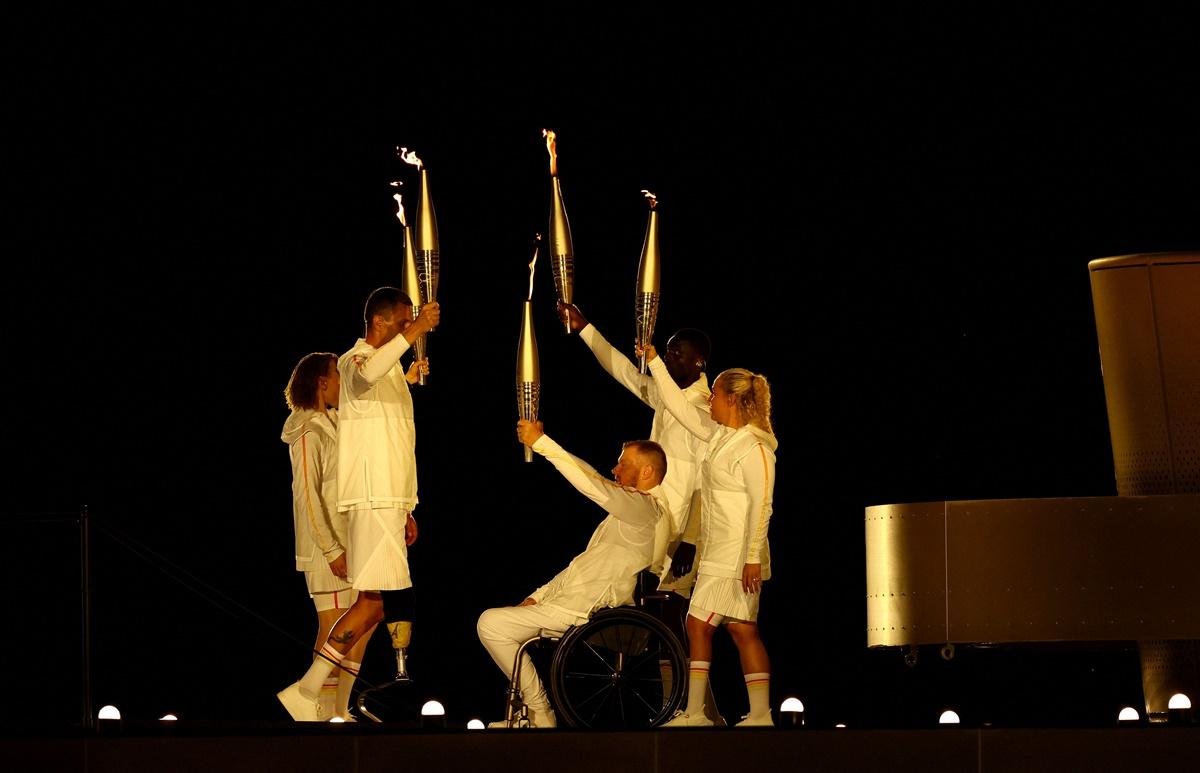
(624, 669)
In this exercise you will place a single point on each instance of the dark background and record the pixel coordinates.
(888, 213)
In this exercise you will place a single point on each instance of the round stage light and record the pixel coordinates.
(433, 709)
(948, 717)
(168, 718)
(1179, 701)
(108, 712)
(1129, 714)
(476, 724)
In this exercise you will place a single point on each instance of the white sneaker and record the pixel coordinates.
(684, 719)
(752, 721)
(301, 707)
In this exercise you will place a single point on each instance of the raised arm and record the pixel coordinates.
(366, 370)
(624, 504)
(692, 417)
(616, 364)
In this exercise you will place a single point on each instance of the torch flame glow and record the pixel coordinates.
(653, 199)
(399, 209)
(549, 135)
(532, 264)
(409, 157)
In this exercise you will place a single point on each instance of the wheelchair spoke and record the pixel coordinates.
(653, 711)
(643, 659)
(601, 706)
(600, 657)
(592, 697)
(585, 675)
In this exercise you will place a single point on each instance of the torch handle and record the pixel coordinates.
(528, 398)
(419, 351)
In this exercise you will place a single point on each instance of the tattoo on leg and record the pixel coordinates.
(342, 638)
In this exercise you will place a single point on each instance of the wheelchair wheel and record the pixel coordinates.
(623, 669)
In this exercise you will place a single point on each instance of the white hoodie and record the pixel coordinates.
(737, 486)
(320, 529)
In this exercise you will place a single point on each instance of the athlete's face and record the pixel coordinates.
(331, 385)
(682, 361)
(397, 322)
(720, 403)
(628, 468)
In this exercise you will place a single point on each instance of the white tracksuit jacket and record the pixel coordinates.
(685, 451)
(737, 486)
(320, 529)
(377, 461)
(605, 573)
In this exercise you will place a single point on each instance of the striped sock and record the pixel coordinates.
(329, 692)
(697, 686)
(758, 688)
(341, 705)
(310, 683)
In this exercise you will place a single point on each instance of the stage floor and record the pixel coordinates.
(362, 748)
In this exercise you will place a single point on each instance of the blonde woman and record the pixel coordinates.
(737, 484)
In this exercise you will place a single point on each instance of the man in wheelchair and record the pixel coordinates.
(603, 575)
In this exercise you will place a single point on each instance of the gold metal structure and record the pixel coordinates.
(1077, 569)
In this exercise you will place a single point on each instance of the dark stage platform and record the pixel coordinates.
(362, 748)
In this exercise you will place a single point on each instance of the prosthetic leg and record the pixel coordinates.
(399, 609)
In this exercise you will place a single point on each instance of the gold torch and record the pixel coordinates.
(529, 372)
(410, 283)
(428, 255)
(562, 252)
(645, 303)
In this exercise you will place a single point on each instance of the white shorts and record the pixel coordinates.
(377, 554)
(718, 600)
(320, 579)
(338, 599)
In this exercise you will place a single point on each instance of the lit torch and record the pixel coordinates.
(410, 283)
(529, 373)
(562, 252)
(645, 302)
(427, 253)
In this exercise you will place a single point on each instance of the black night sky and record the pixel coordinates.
(888, 213)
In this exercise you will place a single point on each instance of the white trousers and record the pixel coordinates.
(503, 630)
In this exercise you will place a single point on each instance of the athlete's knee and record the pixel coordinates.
(743, 633)
(485, 625)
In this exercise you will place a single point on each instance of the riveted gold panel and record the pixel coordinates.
(1031, 570)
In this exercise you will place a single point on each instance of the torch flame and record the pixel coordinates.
(653, 199)
(409, 157)
(399, 208)
(549, 135)
(532, 264)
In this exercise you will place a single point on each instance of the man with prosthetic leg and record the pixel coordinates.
(377, 486)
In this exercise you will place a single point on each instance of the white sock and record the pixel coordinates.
(710, 705)
(329, 692)
(322, 665)
(758, 688)
(350, 669)
(697, 686)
